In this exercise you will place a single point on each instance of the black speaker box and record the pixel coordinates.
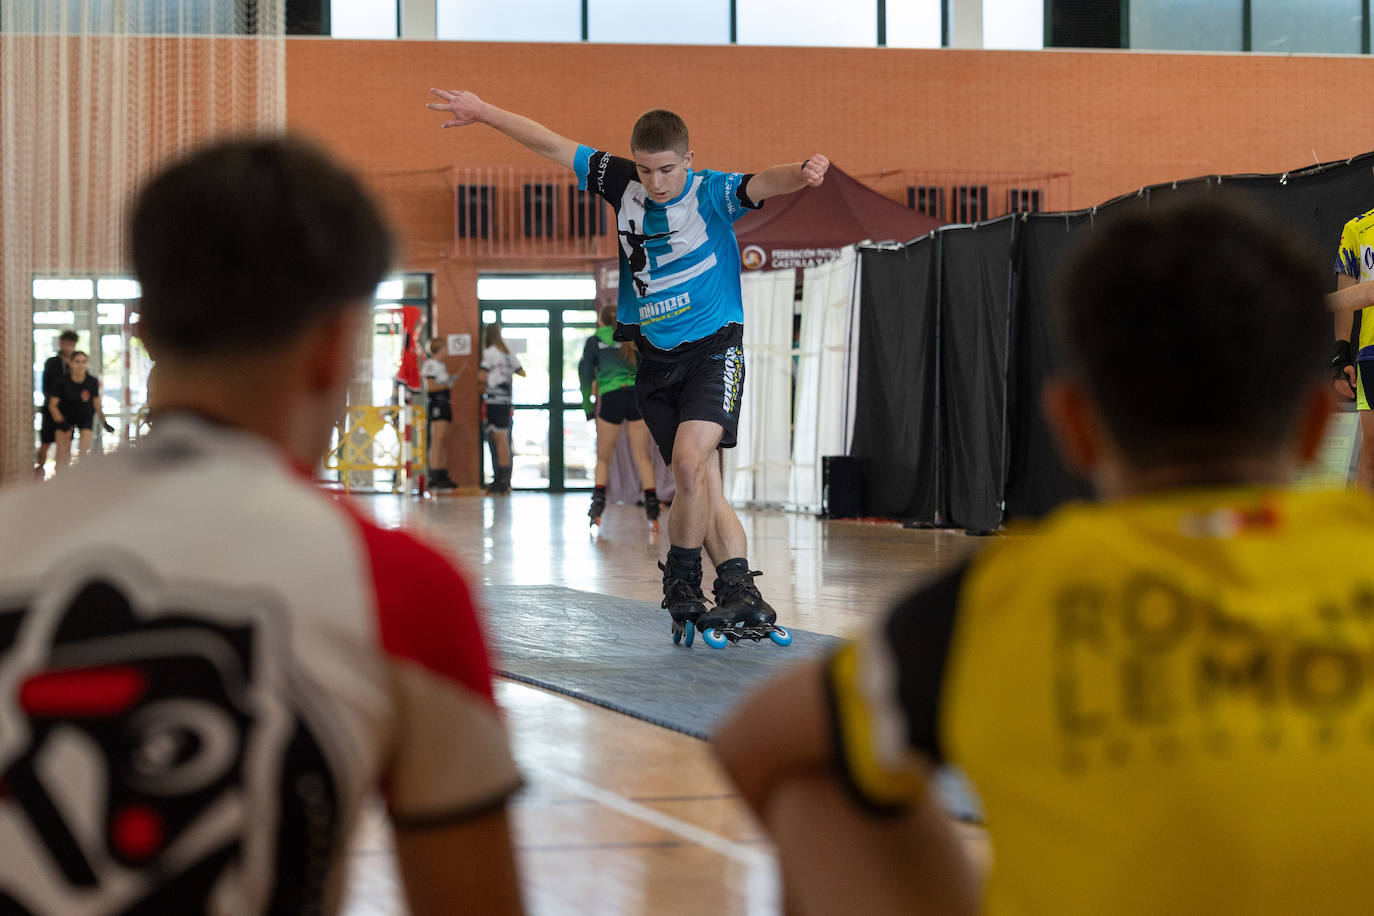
(842, 487)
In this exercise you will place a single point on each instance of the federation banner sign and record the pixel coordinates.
(756, 257)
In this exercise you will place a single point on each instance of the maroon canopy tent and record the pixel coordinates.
(810, 227)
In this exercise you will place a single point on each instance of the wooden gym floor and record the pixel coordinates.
(620, 816)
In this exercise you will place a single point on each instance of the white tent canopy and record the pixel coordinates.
(790, 422)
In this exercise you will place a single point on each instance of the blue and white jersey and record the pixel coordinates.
(679, 261)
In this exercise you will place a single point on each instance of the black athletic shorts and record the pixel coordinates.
(47, 430)
(498, 415)
(706, 387)
(440, 406)
(619, 405)
(76, 420)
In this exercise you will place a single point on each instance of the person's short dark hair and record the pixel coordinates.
(659, 131)
(1198, 327)
(244, 242)
(69, 334)
(76, 353)
(607, 315)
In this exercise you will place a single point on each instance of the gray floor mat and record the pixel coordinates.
(618, 653)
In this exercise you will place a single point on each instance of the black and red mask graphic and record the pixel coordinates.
(132, 748)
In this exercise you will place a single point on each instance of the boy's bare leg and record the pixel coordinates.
(694, 507)
(725, 538)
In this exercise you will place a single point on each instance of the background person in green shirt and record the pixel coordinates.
(607, 372)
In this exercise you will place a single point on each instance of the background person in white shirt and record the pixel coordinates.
(499, 368)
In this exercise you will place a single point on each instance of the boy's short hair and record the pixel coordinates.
(1198, 328)
(69, 334)
(659, 131)
(242, 243)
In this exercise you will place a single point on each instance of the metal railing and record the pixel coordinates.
(507, 212)
(973, 196)
(503, 212)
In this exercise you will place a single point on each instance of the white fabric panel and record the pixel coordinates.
(827, 374)
(756, 470)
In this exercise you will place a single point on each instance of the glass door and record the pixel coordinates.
(553, 445)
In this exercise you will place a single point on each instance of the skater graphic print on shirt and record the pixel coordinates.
(637, 256)
(679, 264)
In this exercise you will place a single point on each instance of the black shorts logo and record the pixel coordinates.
(733, 359)
(147, 759)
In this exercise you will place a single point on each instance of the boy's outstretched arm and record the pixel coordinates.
(784, 179)
(466, 108)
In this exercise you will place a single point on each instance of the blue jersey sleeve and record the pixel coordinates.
(726, 191)
(603, 174)
(582, 163)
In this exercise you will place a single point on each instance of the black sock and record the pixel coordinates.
(684, 559)
(598, 491)
(738, 564)
(650, 492)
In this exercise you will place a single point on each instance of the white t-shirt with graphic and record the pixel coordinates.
(500, 369)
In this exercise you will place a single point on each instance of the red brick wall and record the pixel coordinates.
(1113, 120)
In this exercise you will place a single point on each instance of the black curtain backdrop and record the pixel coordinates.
(956, 339)
(975, 314)
(895, 423)
(1037, 480)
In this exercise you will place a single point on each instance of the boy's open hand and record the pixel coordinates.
(813, 172)
(463, 105)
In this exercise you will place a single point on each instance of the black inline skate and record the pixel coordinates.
(684, 600)
(598, 507)
(738, 600)
(651, 509)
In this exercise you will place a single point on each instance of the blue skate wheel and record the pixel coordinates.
(714, 638)
(691, 632)
(677, 636)
(780, 636)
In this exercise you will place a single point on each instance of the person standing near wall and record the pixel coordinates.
(55, 368)
(440, 413)
(74, 406)
(607, 372)
(497, 377)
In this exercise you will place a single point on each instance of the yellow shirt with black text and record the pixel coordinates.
(1165, 703)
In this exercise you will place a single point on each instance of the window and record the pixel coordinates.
(535, 288)
(363, 19)
(659, 22)
(927, 199)
(913, 24)
(1327, 26)
(970, 203)
(1014, 24)
(509, 20)
(1023, 200)
(806, 22)
(206, 17)
(1187, 25)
